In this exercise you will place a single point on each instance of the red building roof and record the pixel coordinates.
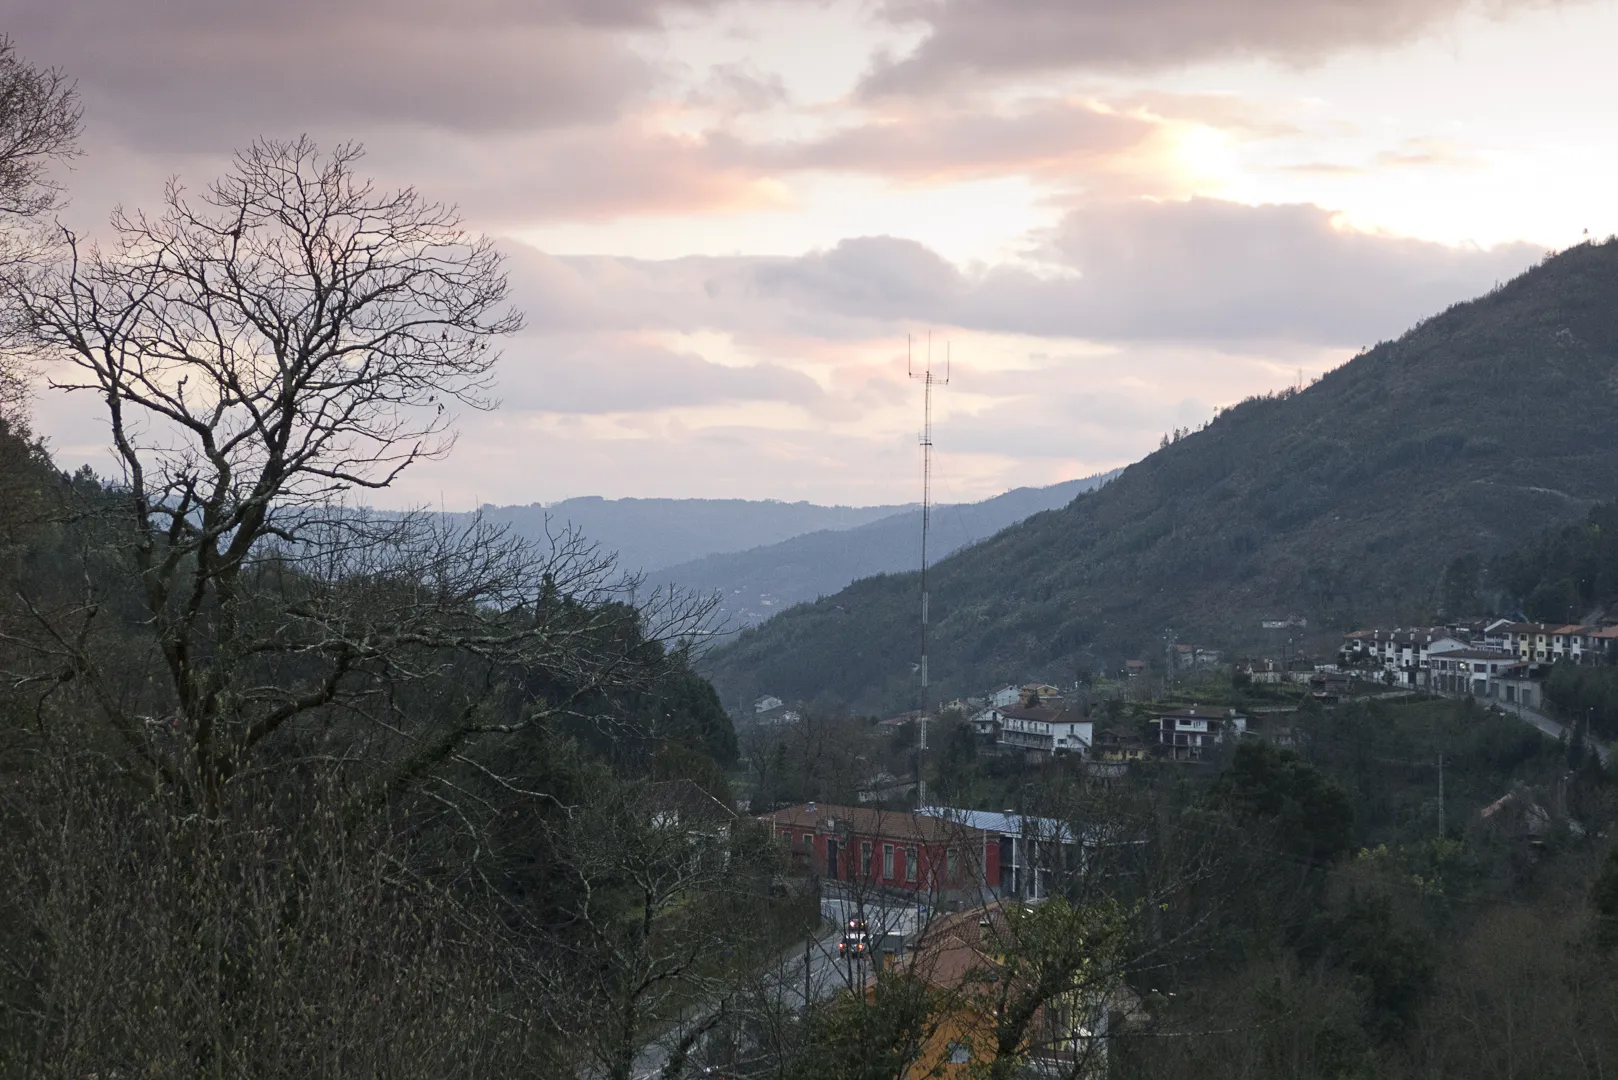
(905, 825)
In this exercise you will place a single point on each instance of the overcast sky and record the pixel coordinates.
(724, 218)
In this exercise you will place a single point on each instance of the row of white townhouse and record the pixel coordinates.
(1404, 653)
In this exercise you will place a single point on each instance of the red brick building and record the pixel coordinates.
(894, 849)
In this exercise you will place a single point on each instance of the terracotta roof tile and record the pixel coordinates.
(865, 821)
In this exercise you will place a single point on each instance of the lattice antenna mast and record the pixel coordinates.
(929, 378)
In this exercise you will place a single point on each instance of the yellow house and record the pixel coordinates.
(960, 957)
(1119, 744)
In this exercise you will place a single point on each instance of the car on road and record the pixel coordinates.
(856, 943)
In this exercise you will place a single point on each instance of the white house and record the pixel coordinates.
(986, 722)
(1469, 671)
(1189, 733)
(1045, 729)
(1006, 695)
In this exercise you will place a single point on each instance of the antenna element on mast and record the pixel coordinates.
(928, 379)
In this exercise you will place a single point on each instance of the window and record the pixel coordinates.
(910, 864)
(959, 1053)
(808, 841)
(865, 858)
(954, 862)
(887, 860)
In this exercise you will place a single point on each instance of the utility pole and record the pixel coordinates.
(928, 378)
(1441, 795)
(1173, 658)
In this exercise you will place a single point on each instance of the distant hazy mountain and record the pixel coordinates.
(649, 534)
(755, 584)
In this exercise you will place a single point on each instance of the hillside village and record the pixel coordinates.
(905, 871)
(1039, 720)
(906, 874)
(1495, 661)
(1499, 659)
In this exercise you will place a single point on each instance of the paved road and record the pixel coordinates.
(1539, 720)
(1551, 727)
(817, 970)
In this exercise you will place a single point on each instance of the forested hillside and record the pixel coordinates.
(752, 585)
(1567, 574)
(1343, 503)
(1562, 575)
(292, 791)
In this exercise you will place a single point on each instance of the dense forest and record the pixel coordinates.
(1567, 574)
(1561, 576)
(1343, 502)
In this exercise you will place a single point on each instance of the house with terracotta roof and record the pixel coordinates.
(986, 724)
(1119, 743)
(1044, 729)
(1604, 642)
(1572, 643)
(1400, 654)
(968, 956)
(1536, 642)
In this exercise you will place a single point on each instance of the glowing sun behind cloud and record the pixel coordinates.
(724, 217)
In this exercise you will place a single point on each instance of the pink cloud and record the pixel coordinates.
(1053, 137)
(970, 39)
(191, 74)
(1138, 270)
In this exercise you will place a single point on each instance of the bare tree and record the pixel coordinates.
(669, 916)
(39, 126)
(307, 719)
(138, 938)
(292, 337)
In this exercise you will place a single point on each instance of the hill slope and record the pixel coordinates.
(1342, 503)
(754, 584)
(649, 534)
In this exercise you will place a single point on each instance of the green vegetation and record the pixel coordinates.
(1395, 965)
(1317, 909)
(1559, 576)
(1586, 696)
(291, 790)
(1344, 503)
(1566, 574)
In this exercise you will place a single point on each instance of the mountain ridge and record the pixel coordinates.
(1342, 502)
(650, 534)
(752, 582)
